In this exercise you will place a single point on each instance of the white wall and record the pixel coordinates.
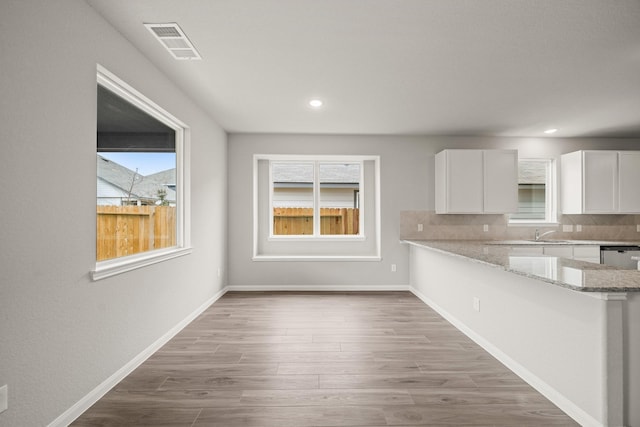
(551, 336)
(401, 188)
(407, 183)
(61, 335)
(631, 359)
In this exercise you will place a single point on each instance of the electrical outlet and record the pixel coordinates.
(476, 304)
(485, 227)
(420, 227)
(393, 268)
(567, 228)
(4, 398)
(638, 228)
(578, 228)
(219, 272)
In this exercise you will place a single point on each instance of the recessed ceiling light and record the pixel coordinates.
(550, 131)
(315, 103)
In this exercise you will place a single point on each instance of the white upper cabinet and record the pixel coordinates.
(500, 181)
(476, 181)
(459, 186)
(600, 182)
(629, 184)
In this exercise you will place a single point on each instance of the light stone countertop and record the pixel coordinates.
(559, 242)
(572, 274)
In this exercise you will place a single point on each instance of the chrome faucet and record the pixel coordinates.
(539, 236)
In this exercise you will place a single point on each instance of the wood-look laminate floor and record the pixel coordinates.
(322, 359)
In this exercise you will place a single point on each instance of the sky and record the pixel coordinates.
(146, 163)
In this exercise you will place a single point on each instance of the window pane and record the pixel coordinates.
(532, 190)
(339, 198)
(292, 198)
(136, 180)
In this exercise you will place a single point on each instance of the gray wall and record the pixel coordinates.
(61, 335)
(407, 183)
(401, 188)
(550, 336)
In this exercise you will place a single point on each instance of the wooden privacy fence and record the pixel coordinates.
(128, 230)
(296, 221)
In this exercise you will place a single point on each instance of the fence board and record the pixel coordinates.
(299, 221)
(128, 230)
(164, 231)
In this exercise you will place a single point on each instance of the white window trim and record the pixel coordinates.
(120, 265)
(316, 161)
(328, 258)
(320, 158)
(551, 198)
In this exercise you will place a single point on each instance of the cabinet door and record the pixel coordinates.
(571, 183)
(559, 251)
(525, 250)
(500, 181)
(587, 253)
(629, 181)
(600, 175)
(464, 181)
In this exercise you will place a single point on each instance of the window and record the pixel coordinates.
(141, 192)
(316, 207)
(536, 192)
(315, 198)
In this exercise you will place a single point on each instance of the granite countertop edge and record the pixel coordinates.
(444, 247)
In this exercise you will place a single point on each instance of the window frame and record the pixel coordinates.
(366, 246)
(111, 267)
(316, 162)
(551, 196)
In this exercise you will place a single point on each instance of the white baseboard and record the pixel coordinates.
(94, 395)
(317, 288)
(570, 408)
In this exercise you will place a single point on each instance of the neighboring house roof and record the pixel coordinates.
(165, 179)
(108, 190)
(114, 173)
(303, 173)
(144, 187)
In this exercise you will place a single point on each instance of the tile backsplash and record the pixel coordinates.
(471, 227)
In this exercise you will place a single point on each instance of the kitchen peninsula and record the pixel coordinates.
(569, 328)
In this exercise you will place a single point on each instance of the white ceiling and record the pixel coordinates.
(429, 67)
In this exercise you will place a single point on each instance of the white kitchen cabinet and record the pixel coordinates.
(629, 181)
(476, 181)
(525, 250)
(500, 181)
(459, 187)
(536, 265)
(600, 182)
(559, 251)
(587, 253)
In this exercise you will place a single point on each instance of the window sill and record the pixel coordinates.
(316, 258)
(325, 238)
(116, 266)
(533, 224)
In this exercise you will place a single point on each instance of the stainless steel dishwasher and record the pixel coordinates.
(620, 256)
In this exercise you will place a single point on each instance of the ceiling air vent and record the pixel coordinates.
(173, 39)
